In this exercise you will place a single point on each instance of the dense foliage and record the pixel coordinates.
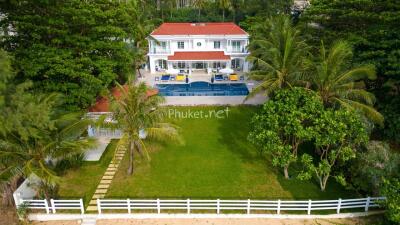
(372, 165)
(371, 26)
(391, 189)
(295, 115)
(337, 135)
(77, 48)
(285, 122)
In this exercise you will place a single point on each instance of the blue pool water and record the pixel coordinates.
(202, 89)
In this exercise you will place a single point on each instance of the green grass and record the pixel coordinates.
(216, 161)
(82, 182)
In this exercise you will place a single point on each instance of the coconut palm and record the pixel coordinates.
(278, 55)
(199, 4)
(37, 153)
(224, 5)
(136, 112)
(340, 84)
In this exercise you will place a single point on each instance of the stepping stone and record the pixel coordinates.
(105, 186)
(93, 202)
(96, 196)
(111, 169)
(107, 177)
(112, 165)
(91, 208)
(111, 173)
(101, 191)
(105, 181)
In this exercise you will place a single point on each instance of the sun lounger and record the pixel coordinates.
(233, 77)
(180, 77)
(219, 77)
(165, 77)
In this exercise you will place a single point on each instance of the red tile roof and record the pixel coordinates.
(103, 103)
(198, 29)
(217, 55)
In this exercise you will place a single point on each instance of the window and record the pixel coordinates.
(217, 44)
(236, 46)
(216, 65)
(181, 45)
(163, 44)
(162, 64)
(181, 65)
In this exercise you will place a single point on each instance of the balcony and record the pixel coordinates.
(160, 51)
(237, 50)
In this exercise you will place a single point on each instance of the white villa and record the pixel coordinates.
(198, 48)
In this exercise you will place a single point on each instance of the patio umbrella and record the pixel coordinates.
(172, 71)
(226, 70)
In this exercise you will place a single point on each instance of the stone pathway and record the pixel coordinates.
(107, 178)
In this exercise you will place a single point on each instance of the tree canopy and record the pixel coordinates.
(76, 48)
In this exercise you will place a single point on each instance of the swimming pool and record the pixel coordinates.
(201, 88)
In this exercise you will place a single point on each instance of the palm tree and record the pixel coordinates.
(341, 85)
(137, 112)
(224, 5)
(278, 55)
(58, 137)
(199, 4)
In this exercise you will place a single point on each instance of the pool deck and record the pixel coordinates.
(258, 99)
(214, 100)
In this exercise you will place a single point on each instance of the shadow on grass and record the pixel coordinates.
(234, 131)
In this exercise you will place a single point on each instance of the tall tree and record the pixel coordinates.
(225, 5)
(363, 23)
(337, 135)
(341, 84)
(278, 55)
(199, 4)
(77, 48)
(285, 122)
(33, 131)
(137, 113)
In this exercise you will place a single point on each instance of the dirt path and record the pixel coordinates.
(352, 221)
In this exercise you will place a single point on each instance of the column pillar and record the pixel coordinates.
(152, 64)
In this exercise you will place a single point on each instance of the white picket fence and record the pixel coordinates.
(53, 206)
(243, 206)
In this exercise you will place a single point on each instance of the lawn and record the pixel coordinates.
(216, 161)
(82, 182)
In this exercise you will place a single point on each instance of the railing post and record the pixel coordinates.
(128, 204)
(17, 199)
(46, 205)
(188, 206)
(367, 204)
(248, 206)
(81, 205)
(339, 205)
(309, 206)
(53, 207)
(98, 206)
(279, 207)
(218, 206)
(158, 206)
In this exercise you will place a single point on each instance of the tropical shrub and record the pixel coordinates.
(372, 166)
(337, 135)
(286, 121)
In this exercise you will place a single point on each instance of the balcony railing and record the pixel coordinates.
(160, 51)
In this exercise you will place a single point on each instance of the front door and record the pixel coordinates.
(198, 65)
